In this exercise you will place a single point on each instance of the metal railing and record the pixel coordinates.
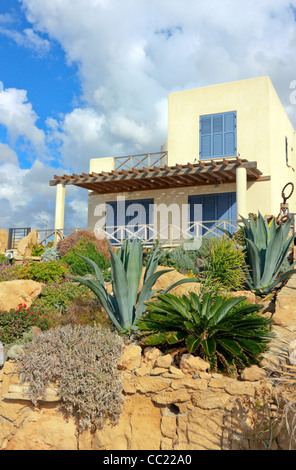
(145, 160)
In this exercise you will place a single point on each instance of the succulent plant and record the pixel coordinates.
(127, 302)
(267, 246)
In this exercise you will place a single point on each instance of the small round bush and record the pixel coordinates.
(77, 266)
(50, 253)
(15, 322)
(84, 237)
(82, 363)
(47, 271)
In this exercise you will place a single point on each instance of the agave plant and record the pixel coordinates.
(267, 246)
(126, 303)
(228, 333)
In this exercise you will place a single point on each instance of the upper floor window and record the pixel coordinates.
(217, 135)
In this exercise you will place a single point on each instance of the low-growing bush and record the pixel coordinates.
(47, 271)
(84, 236)
(186, 260)
(50, 253)
(15, 322)
(8, 272)
(70, 303)
(77, 266)
(224, 264)
(81, 361)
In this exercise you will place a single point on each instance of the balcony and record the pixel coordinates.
(145, 160)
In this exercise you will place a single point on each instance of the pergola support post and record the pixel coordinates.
(59, 211)
(241, 193)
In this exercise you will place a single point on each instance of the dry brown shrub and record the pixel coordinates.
(68, 243)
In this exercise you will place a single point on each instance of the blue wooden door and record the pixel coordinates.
(214, 208)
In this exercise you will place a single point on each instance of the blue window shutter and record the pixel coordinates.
(218, 135)
(205, 136)
(229, 134)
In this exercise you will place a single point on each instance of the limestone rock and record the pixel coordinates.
(150, 354)
(3, 240)
(250, 296)
(253, 373)
(193, 364)
(13, 293)
(45, 430)
(169, 426)
(27, 242)
(131, 358)
(138, 427)
(169, 278)
(285, 305)
(163, 361)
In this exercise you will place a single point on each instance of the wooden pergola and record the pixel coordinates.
(202, 173)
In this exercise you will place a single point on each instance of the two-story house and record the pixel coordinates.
(230, 151)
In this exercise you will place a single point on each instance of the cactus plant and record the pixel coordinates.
(127, 302)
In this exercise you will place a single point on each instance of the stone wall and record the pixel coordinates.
(168, 405)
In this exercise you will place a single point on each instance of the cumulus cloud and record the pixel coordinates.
(19, 118)
(7, 154)
(27, 200)
(129, 56)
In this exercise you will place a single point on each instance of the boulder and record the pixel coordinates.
(131, 358)
(285, 305)
(27, 242)
(193, 364)
(13, 293)
(3, 241)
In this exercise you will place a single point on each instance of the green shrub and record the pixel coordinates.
(7, 271)
(185, 260)
(69, 302)
(77, 266)
(229, 333)
(15, 322)
(50, 254)
(224, 264)
(46, 271)
(82, 361)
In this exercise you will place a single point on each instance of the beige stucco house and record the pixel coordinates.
(230, 151)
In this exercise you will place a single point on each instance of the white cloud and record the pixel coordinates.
(7, 154)
(130, 55)
(27, 199)
(27, 38)
(130, 58)
(18, 116)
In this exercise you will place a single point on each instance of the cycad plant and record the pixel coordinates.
(127, 302)
(267, 246)
(228, 333)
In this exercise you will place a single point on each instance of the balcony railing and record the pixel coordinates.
(145, 160)
(171, 234)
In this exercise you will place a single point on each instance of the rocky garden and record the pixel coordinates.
(136, 348)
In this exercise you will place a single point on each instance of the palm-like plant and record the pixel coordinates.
(126, 303)
(228, 333)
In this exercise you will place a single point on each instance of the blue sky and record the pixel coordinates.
(90, 78)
